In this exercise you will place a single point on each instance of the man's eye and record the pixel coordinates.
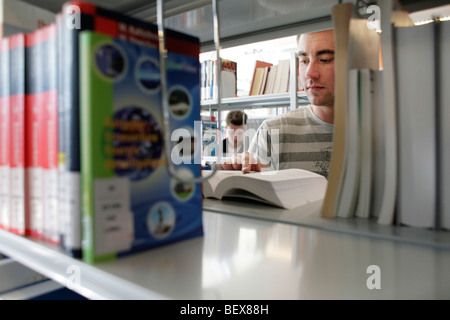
(304, 61)
(326, 60)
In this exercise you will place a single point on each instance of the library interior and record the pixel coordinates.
(224, 150)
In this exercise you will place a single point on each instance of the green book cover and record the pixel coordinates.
(130, 201)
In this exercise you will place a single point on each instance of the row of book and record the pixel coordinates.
(269, 78)
(208, 79)
(391, 151)
(83, 160)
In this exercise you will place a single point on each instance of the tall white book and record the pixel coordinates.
(365, 143)
(349, 183)
(444, 125)
(414, 56)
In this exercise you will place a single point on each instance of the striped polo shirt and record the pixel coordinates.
(297, 139)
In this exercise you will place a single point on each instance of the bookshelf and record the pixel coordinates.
(265, 100)
(264, 259)
(234, 248)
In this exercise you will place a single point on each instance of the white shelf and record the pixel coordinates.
(265, 100)
(50, 261)
(247, 258)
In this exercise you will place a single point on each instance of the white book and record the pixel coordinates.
(444, 125)
(270, 80)
(379, 137)
(386, 210)
(262, 84)
(4, 135)
(286, 189)
(416, 125)
(349, 183)
(365, 143)
(283, 80)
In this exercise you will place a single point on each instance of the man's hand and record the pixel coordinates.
(243, 161)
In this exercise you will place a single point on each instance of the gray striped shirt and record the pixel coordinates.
(297, 139)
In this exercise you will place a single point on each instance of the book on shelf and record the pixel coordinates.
(63, 216)
(210, 136)
(379, 138)
(367, 91)
(17, 98)
(49, 96)
(208, 79)
(269, 78)
(257, 76)
(281, 81)
(350, 177)
(107, 22)
(130, 201)
(355, 190)
(286, 189)
(444, 128)
(41, 176)
(34, 133)
(356, 49)
(4, 134)
(228, 79)
(22, 17)
(341, 15)
(386, 141)
(416, 120)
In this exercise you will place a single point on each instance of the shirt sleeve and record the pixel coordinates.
(263, 149)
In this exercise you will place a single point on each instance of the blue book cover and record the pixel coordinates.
(81, 16)
(130, 201)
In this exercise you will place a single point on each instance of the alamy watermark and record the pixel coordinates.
(74, 277)
(373, 22)
(73, 17)
(374, 280)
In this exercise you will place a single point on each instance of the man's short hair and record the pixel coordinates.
(236, 117)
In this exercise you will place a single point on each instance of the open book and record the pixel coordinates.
(287, 189)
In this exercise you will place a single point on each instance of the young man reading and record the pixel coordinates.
(301, 138)
(235, 122)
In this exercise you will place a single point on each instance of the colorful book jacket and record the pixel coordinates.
(34, 110)
(79, 16)
(49, 147)
(17, 125)
(4, 135)
(130, 201)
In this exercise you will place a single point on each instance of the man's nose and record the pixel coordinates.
(312, 72)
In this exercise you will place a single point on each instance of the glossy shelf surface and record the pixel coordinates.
(246, 258)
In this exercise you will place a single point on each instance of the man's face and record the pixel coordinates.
(235, 134)
(316, 67)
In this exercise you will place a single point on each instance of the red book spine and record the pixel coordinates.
(33, 136)
(17, 125)
(4, 135)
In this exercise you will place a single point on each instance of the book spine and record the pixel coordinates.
(34, 146)
(17, 152)
(70, 133)
(50, 131)
(203, 78)
(4, 135)
(62, 185)
(106, 22)
(88, 221)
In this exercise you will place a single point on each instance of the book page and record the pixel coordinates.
(213, 181)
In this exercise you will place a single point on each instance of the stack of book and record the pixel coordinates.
(391, 146)
(208, 80)
(82, 149)
(269, 78)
